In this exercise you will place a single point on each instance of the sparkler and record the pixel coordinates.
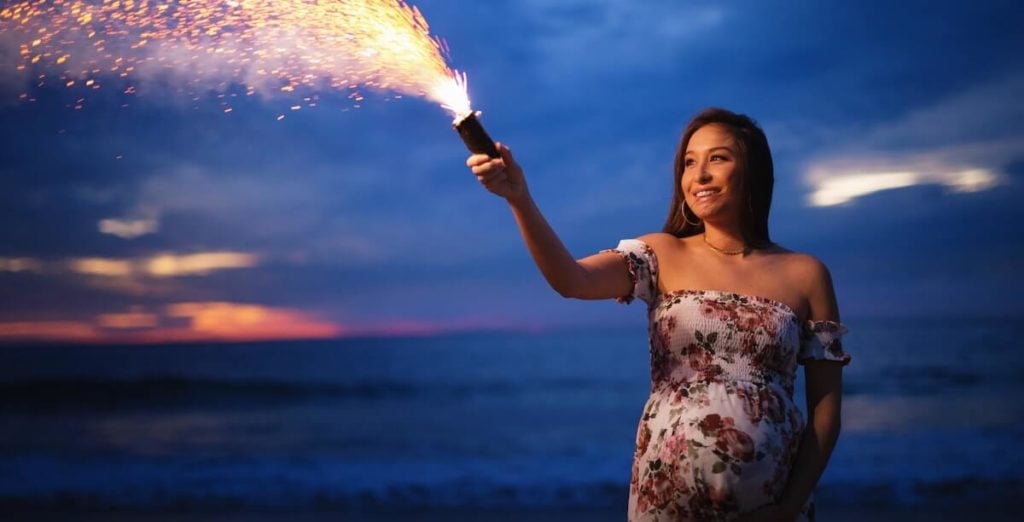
(267, 46)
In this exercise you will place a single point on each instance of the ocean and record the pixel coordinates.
(931, 416)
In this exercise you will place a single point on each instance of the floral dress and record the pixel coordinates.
(720, 431)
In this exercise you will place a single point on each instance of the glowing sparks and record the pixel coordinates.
(277, 46)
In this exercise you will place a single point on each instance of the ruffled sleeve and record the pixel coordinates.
(643, 270)
(822, 340)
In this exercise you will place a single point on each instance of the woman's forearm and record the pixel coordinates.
(816, 446)
(555, 262)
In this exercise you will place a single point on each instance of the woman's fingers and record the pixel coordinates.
(488, 166)
(477, 159)
(490, 176)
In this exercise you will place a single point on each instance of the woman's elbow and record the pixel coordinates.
(570, 287)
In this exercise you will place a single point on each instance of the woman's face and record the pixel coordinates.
(712, 180)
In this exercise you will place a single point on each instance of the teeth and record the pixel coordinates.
(706, 193)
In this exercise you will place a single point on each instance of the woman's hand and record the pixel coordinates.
(501, 176)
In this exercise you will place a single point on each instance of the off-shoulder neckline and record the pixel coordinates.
(775, 302)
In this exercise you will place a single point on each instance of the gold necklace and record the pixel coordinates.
(722, 250)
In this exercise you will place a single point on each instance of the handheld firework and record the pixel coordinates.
(474, 136)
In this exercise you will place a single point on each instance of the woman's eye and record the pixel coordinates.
(718, 158)
(689, 163)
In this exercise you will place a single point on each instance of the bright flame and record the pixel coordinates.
(276, 45)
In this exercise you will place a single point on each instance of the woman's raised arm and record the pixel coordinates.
(600, 276)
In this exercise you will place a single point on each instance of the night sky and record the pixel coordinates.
(897, 130)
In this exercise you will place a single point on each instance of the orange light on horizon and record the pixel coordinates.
(224, 320)
(59, 331)
(127, 320)
(204, 322)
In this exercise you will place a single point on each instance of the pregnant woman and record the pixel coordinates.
(731, 316)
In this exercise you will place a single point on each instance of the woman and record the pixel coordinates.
(731, 315)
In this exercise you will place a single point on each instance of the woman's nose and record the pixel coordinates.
(703, 175)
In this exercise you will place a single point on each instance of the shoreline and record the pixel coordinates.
(826, 513)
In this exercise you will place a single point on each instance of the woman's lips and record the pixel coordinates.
(705, 195)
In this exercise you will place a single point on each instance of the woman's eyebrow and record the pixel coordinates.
(691, 151)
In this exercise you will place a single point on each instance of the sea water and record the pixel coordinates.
(931, 413)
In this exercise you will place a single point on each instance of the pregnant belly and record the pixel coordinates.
(725, 447)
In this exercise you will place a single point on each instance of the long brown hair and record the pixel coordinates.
(758, 176)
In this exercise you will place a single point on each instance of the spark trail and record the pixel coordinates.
(268, 46)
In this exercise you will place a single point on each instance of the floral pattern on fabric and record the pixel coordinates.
(822, 340)
(642, 266)
(720, 431)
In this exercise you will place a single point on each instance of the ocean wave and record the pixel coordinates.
(295, 483)
(64, 394)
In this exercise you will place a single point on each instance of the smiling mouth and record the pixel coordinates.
(705, 194)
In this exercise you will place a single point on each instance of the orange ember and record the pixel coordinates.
(273, 45)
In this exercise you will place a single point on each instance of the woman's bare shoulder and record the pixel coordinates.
(660, 238)
(802, 266)
(802, 262)
(662, 242)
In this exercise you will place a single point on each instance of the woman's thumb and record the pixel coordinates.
(506, 154)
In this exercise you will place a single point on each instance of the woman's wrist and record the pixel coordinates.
(519, 200)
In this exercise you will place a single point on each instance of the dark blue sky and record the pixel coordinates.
(896, 129)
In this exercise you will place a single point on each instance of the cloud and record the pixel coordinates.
(840, 185)
(985, 112)
(133, 319)
(223, 320)
(204, 321)
(102, 267)
(964, 142)
(64, 331)
(128, 228)
(613, 36)
(20, 264)
(164, 265)
(170, 265)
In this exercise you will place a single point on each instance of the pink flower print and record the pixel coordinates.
(749, 320)
(707, 309)
(675, 448)
(736, 443)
